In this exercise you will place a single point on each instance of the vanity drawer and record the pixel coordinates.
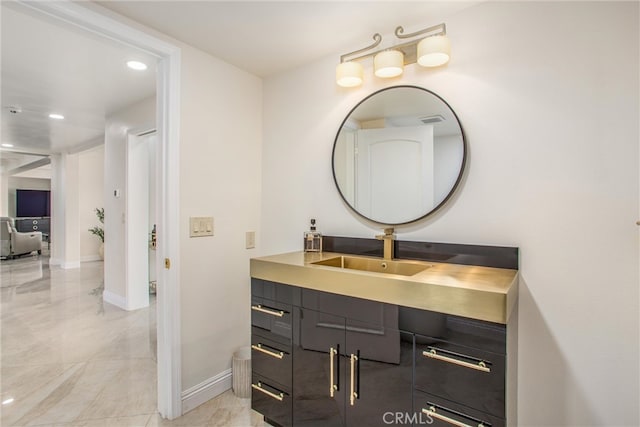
(271, 319)
(271, 359)
(464, 331)
(272, 400)
(472, 377)
(438, 412)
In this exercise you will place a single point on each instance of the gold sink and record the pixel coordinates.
(376, 265)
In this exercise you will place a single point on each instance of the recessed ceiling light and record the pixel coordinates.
(56, 116)
(7, 145)
(137, 65)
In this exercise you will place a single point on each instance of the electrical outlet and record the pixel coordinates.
(250, 239)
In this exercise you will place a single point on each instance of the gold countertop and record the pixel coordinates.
(483, 293)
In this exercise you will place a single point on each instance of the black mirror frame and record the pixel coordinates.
(453, 188)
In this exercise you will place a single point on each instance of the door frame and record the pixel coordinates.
(98, 20)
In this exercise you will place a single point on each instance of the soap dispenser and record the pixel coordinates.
(312, 239)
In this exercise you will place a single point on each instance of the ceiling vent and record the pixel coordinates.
(432, 119)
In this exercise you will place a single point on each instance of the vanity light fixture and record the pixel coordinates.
(388, 63)
(350, 73)
(431, 50)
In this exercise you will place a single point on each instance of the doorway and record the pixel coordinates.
(89, 17)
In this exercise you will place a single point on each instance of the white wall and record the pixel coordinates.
(71, 177)
(57, 208)
(4, 194)
(91, 196)
(548, 96)
(65, 234)
(220, 152)
(140, 115)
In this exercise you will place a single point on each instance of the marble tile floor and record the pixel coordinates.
(69, 359)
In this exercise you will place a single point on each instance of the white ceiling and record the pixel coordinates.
(266, 37)
(48, 66)
(14, 163)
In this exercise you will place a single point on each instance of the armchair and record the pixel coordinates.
(14, 243)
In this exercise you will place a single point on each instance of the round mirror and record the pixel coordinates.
(399, 155)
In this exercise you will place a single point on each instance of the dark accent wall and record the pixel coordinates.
(487, 256)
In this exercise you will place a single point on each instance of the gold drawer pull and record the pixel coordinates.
(480, 366)
(431, 412)
(332, 386)
(258, 347)
(354, 394)
(261, 309)
(277, 397)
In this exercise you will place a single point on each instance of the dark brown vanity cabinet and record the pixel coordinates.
(322, 359)
(342, 375)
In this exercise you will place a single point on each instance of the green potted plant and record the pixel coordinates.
(99, 230)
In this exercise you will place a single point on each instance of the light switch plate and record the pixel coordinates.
(200, 226)
(250, 239)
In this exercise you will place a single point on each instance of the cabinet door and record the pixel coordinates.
(319, 371)
(381, 389)
(369, 317)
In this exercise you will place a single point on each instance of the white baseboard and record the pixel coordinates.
(90, 258)
(114, 299)
(64, 264)
(70, 264)
(206, 390)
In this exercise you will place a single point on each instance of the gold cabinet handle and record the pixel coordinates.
(431, 412)
(480, 366)
(353, 395)
(261, 349)
(258, 387)
(332, 386)
(261, 309)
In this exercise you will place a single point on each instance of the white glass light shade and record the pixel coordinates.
(349, 74)
(434, 51)
(388, 63)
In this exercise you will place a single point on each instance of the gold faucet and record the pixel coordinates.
(388, 237)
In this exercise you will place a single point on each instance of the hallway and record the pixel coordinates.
(69, 359)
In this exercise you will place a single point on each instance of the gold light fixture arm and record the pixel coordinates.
(377, 37)
(429, 48)
(442, 27)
